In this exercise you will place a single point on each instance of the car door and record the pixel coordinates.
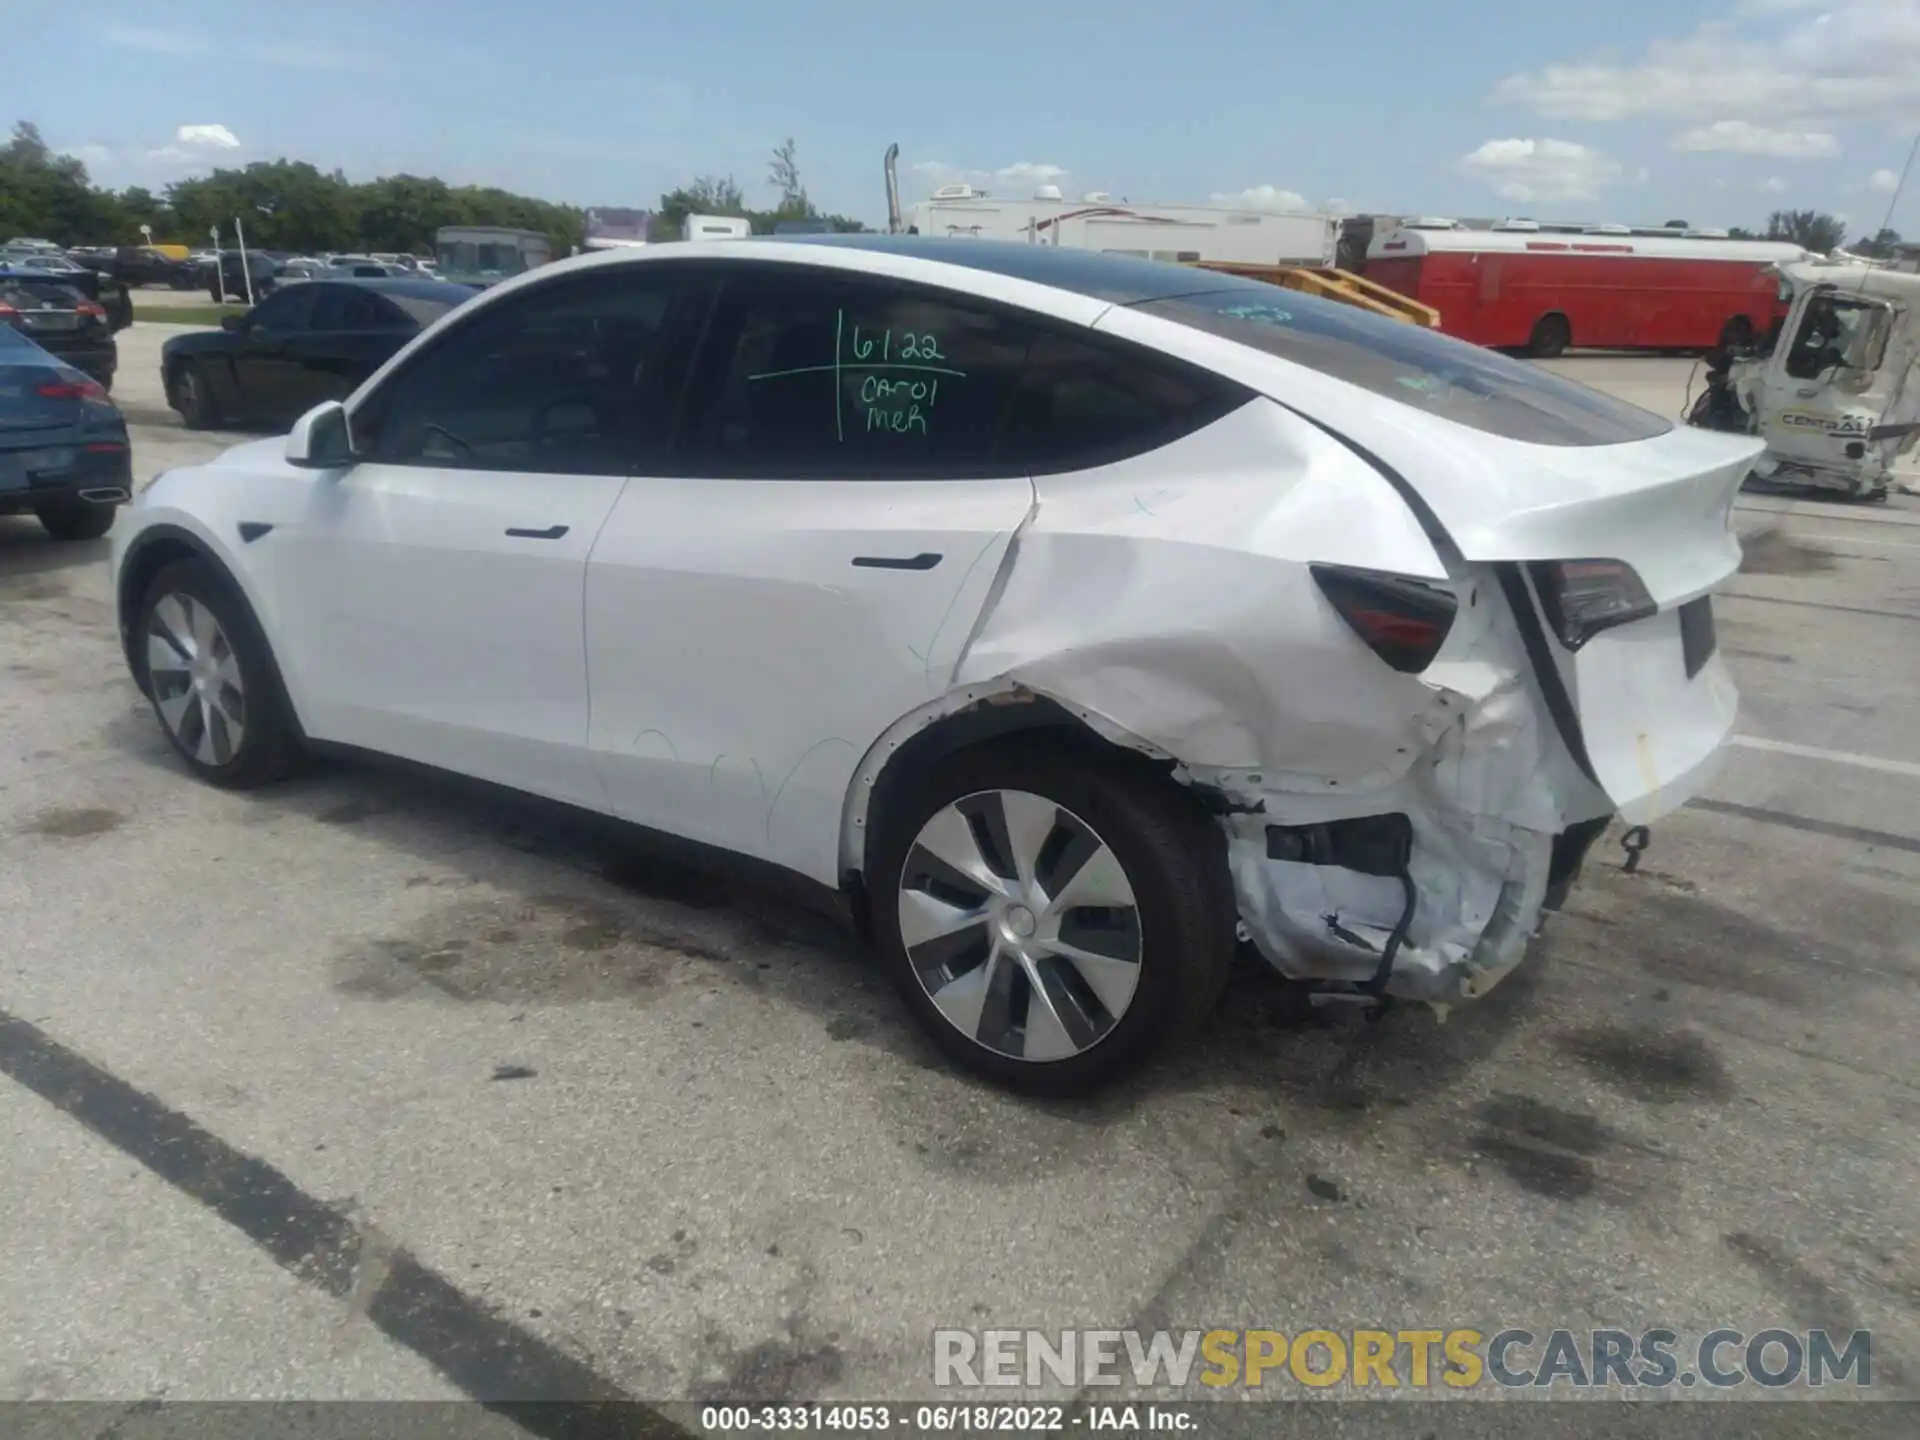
(805, 566)
(263, 369)
(430, 601)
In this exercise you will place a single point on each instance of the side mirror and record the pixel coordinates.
(320, 439)
(234, 324)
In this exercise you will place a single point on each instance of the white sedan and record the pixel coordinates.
(1071, 619)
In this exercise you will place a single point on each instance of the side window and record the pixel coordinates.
(575, 378)
(806, 373)
(284, 311)
(1088, 402)
(346, 307)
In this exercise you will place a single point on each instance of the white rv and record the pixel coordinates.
(1158, 232)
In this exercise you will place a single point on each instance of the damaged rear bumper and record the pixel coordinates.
(1427, 887)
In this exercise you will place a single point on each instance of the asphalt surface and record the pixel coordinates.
(728, 1167)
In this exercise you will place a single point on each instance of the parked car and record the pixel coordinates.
(305, 343)
(27, 245)
(64, 455)
(302, 268)
(233, 270)
(137, 265)
(1062, 613)
(61, 320)
(109, 293)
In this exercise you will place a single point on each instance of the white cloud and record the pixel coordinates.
(1022, 177)
(1774, 185)
(1531, 170)
(1028, 172)
(1769, 63)
(1261, 197)
(318, 55)
(208, 137)
(1743, 137)
(290, 54)
(155, 41)
(1885, 181)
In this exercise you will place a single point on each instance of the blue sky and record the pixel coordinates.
(1715, 111)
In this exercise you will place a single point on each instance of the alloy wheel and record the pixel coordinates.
(195, 679)
(1021, 925)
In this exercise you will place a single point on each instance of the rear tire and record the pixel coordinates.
(75, 519)
(1551, 337)
(193, 398)
(963, 871)
(209, 674)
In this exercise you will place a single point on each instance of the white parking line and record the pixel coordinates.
(1838, 757)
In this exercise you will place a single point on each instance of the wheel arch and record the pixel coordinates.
(970, 716)
(151, 551)
(1545, 318)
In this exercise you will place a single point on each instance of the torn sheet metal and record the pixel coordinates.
(1277, 719)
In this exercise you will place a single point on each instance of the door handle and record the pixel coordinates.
(552, 532)
(926, 560)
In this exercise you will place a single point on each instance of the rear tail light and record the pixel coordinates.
(87, 307)
(1580, 598)
(1404, 621)
(75, 390)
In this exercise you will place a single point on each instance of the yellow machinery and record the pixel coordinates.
(1331, 284)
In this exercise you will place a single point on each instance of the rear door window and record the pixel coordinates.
(1430, 372)
(814, 374)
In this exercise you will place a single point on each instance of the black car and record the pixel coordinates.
(137, 265)
(59, 319)
(303, 344)
(233, 270)
(63, 446)
(104, 290)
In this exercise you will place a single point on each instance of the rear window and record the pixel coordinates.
(1434, 373)
(39, 291)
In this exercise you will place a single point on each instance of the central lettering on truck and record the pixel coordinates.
(1840, 425)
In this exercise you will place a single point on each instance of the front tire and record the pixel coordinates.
(211, 680)
(1051, 918)
(75, 519)
(193, 398)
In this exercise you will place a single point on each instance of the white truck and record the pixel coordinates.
(1836, 393)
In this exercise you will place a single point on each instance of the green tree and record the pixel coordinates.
(784, 175)
(1812, 229)
(46, 195)
(1883, 244)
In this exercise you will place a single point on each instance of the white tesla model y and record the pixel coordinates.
(1072, 617)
